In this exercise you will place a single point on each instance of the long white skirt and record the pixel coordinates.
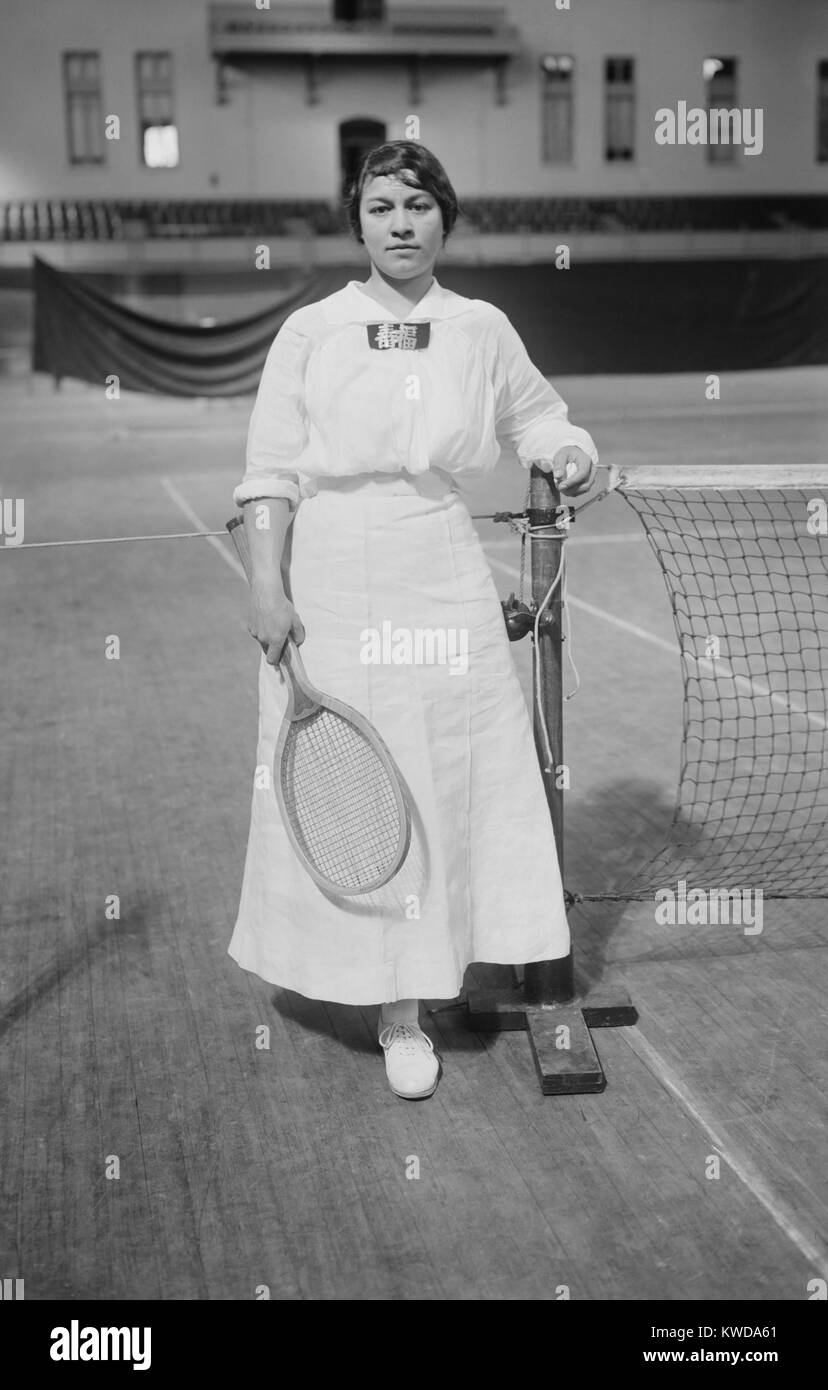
(481, 881)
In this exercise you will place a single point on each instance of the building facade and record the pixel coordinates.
(535, 98)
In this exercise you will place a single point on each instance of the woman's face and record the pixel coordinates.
(402, 227)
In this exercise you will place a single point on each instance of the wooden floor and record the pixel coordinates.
(136, 1039)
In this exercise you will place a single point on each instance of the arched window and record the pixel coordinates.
(356, 138)
(359, 9)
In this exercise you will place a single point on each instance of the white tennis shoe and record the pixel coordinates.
(410, 1063)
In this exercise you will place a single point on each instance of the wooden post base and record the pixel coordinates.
(565, 1057)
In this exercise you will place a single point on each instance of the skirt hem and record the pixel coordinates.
(364, 992)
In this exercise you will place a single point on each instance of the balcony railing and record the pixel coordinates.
(406, 30)
(104, 220)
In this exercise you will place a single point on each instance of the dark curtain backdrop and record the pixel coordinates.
(609, 317)
(81, 332)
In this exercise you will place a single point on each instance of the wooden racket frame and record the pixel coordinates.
(304, 700)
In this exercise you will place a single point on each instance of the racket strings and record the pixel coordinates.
(341, 800)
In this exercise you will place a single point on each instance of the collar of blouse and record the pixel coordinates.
(353, 304)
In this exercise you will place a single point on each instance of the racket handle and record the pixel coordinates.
(237, 534)
(305, 698)
(290, 657)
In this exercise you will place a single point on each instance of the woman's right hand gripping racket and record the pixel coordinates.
(340, 793)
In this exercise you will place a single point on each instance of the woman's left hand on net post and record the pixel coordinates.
(571, 468)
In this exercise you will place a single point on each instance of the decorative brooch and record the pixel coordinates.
(410, 336)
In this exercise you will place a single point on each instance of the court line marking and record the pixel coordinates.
(704, 665)
(742, 1167)
(748, 1174)
(201, 525)
(672, 647)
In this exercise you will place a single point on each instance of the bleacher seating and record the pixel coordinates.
(98, 220)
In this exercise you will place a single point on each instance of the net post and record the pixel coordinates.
(549, 981)
(545, 1004)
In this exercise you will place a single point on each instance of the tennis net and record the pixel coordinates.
(744, 554)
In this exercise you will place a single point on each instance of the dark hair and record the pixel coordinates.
(413, 164)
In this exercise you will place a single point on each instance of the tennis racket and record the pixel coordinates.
(339, 791)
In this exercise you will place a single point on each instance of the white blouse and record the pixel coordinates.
(329, 403)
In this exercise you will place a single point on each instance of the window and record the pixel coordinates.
(84, 109)
(156, 124)
(720, 81)
(619, 109)
(359, 9)
(356, 138)
(822, 111)
(557, 74)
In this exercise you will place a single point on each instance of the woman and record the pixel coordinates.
(360, 434)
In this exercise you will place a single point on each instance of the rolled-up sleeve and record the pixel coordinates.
(530, 415)
(278, 430)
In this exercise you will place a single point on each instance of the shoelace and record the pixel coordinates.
(411, 1038)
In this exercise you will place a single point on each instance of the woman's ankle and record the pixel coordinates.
(400, 1011)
